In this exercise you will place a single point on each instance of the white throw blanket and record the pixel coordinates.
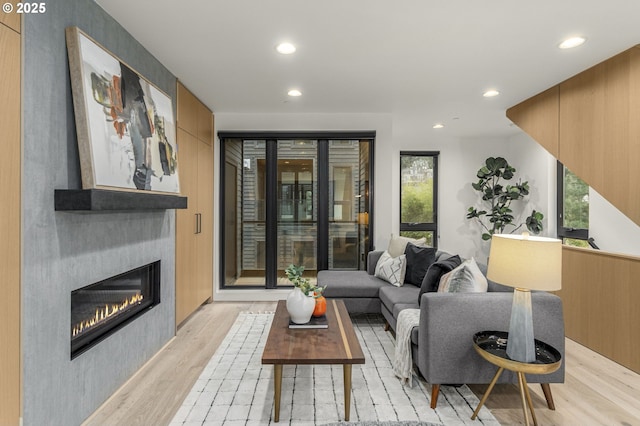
(403, 363)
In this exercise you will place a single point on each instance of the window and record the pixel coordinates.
(293, 198)
(573, 208)
(419, 195)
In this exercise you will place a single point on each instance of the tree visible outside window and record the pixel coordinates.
(573, 208)
(418, 195)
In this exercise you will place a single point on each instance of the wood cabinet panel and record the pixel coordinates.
(539, 118)
(187, 110)
(12, 20)
(10, 166)
(186, 248)
(194, 226)
(205, 124)
(599, 294)
(205, 209)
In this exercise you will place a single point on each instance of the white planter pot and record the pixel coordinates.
(300, 307)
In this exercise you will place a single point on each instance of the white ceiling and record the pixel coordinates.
(424, 58)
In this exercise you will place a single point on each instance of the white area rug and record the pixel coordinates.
(236, 389)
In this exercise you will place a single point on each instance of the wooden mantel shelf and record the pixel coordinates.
(108, 200)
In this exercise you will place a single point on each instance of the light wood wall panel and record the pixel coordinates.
(590, 123)
(539, 118)
(11, 20)
(599, 129)
(10, 165)
(600, 293)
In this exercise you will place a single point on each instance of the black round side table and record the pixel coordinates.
(492, 346)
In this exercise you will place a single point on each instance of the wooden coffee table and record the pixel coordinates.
(337, 344)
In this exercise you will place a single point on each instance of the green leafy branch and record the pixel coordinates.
(499, 216)
(294, 274)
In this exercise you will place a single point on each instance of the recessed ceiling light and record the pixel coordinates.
(490, 93)
(438, 126)
(294, 92)
(286, 48)
(572, 42)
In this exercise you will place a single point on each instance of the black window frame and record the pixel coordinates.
(271, 138)
(422, 226)
(563, 231)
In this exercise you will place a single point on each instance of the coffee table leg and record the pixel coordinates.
(347, 391)
(277, 387)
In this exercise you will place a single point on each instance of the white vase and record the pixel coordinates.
(300, 307)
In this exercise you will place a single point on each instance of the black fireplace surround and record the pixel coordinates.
(102, 308)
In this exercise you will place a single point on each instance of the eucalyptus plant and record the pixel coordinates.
(294, 274)
(499, 216)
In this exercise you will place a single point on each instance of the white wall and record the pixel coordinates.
(610, 228)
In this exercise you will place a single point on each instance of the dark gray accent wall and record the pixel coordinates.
(63, 251)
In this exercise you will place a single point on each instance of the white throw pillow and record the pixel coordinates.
(398, 244)
(466, 278)
(392, 269)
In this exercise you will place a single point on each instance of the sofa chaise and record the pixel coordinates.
(442, 345)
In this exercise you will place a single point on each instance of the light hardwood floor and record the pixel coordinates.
(596, 391)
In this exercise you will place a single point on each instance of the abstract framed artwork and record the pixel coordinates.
(125, 125)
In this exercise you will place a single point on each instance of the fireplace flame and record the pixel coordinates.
(105, 312)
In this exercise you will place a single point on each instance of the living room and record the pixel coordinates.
(63, 251)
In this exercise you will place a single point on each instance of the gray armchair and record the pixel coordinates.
(445, 354)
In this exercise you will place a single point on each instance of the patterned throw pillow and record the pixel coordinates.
(391, 269)
(466, 278)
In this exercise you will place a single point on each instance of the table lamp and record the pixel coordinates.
(525, 263)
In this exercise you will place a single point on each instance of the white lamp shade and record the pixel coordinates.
(526, 262)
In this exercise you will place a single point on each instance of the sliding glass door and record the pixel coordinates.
(293, 200)
(297, 220)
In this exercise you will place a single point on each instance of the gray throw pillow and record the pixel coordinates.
(435, 272)
(419, 259)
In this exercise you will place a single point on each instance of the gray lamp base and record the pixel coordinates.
(521, 346)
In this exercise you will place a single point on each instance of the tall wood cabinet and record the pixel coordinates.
(10, 170)
(194, 225)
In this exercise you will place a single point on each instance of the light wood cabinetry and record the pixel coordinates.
(600, 294)
(10, 165)
(539, 118)
(194, 225)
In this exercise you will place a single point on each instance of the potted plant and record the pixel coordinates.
(498, 217)
(301, 302)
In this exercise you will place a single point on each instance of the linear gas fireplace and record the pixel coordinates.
(100, 309)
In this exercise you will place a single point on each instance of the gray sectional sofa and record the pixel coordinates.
(442, 345)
